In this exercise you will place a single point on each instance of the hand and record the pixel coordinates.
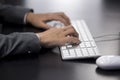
(58, 37)
(39, 20)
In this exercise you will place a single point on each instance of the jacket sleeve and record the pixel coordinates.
(19, 43)
(13, 14)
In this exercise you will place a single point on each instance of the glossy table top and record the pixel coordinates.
(103, 20)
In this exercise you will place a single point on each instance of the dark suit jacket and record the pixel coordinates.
(16, 43)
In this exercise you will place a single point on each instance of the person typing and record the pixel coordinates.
(30, 42)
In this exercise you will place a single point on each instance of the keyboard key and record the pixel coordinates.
(72, 52)
(78, 52)
(93, 44)
(63, 47)
(82, 45)
(84, 52)
(69, 46)
(65, 52)
(88, 44)
(91, 51)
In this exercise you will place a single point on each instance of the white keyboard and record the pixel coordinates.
(87, 48)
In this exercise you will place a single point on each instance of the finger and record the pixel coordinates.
(45, 26)
(71, 40)
(66, 27)
(76, 33)
(65, 17)
(70, 31)
(61, 19)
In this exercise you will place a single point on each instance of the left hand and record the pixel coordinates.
(39, 20)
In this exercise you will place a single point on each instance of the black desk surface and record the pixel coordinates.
(102, 18)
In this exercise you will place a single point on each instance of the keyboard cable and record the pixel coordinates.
(111, 37)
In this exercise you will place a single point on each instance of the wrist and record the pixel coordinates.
(41, 38)
(29, 17)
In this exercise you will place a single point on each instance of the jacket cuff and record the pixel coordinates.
(32, 41)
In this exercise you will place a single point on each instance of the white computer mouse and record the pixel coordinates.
(108, 62)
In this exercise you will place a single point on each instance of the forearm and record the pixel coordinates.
(19, 43)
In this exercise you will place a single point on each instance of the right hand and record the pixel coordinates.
(58, 37)
(40, 20)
